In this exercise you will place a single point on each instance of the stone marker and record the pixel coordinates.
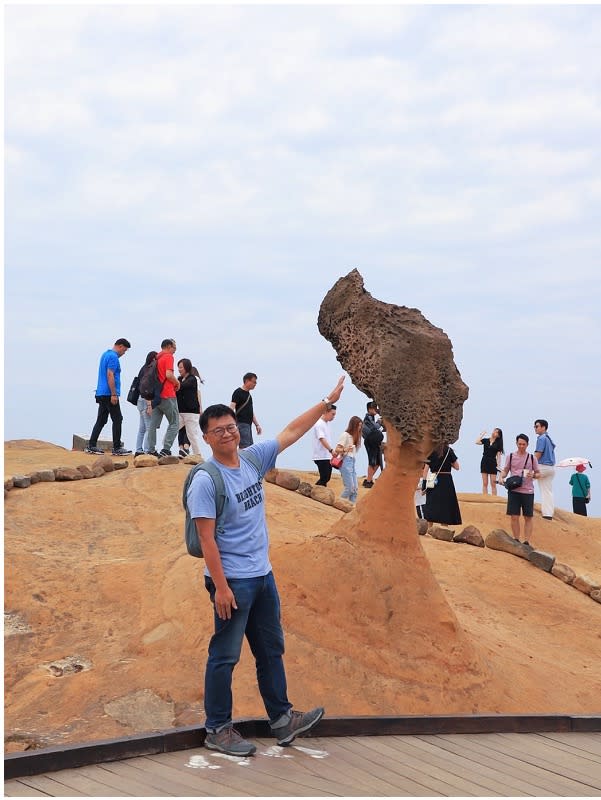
(323, 495)
(422, 526)
(271, 475)
(85, 471)
(47, 475)
(193, 458)
(21, 481)
(34, 477)
(304, 488)
(342, 504)
(596, 595)
(501, 540)
(8, 484)
(106, 462)
(287, 480)
(541, 560)
(81, 442)
(470, 535)
(586, 584)
(563, 572)
(146, 461)
(166, 460)
(120, 464)
(67, 474)
(444, 534)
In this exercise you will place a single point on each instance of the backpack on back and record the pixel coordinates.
(150, 385)
(190, 533)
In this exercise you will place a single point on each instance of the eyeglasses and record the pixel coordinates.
(222, 431)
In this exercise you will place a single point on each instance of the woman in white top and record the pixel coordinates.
(347, 446)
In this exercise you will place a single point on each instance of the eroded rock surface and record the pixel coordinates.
(408, 367)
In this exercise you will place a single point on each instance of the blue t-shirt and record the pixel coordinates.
(244, 542)
(108, 360)
(546, 448)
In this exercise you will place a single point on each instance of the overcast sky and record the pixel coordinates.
(208, 173)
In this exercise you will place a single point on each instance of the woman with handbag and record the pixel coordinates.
(441, 499)
(581, 491)
(347, 448)
(145, 410)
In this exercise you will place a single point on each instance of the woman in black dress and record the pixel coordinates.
(441, 501)
(491, 458)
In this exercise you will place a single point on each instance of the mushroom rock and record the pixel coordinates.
(407, 367)
(389, 603)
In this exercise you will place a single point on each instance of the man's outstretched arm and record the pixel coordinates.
(299, 426)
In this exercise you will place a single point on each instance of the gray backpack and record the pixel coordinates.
(190, 533)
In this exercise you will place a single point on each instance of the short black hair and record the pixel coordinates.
(167, 343)
(248, 377)
(123, 343)
(522, 436)
(215, 412)
(542, 422)
(372, 404)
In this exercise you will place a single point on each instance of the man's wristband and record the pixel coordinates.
(326, 400)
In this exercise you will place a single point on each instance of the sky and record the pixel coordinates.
(208, 172)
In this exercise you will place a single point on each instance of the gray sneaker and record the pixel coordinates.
(292, 724)
(95, 451)
(229, 741)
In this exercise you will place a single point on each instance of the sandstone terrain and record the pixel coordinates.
(107, 620)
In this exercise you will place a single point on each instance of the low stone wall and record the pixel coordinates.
(498, 539)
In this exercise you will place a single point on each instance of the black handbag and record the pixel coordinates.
(515, 481)
(134, 392)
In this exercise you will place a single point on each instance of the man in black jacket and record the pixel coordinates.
(373, 437)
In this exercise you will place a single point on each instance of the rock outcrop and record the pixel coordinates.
(408, 367)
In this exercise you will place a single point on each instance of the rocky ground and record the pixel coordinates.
(107, 620)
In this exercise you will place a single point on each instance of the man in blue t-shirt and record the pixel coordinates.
(239, 578)
(108, 389)
(545, 455)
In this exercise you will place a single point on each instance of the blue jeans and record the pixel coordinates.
(258, 618)
(168, 408)
(349, 479)
(143, 427)
(246, 435)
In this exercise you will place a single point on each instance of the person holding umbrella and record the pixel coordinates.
(581, 490)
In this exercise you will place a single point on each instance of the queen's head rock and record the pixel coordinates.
(395, 355)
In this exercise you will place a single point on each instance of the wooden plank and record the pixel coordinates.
(587, 742)
(70, 783)
(458, 783)
(290, 779)
(230, 779)
(345, 777)
(572, 766)
(487, 750)
(150, 785)
(15, 788)
(378, 756)
(462, 762)
(115, 779)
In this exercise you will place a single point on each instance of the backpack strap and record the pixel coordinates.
(192, 540)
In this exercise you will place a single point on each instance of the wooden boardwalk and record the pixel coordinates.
(444, 765)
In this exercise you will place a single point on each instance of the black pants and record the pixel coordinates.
(579, 506)
(106, 409)
(325, 471)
